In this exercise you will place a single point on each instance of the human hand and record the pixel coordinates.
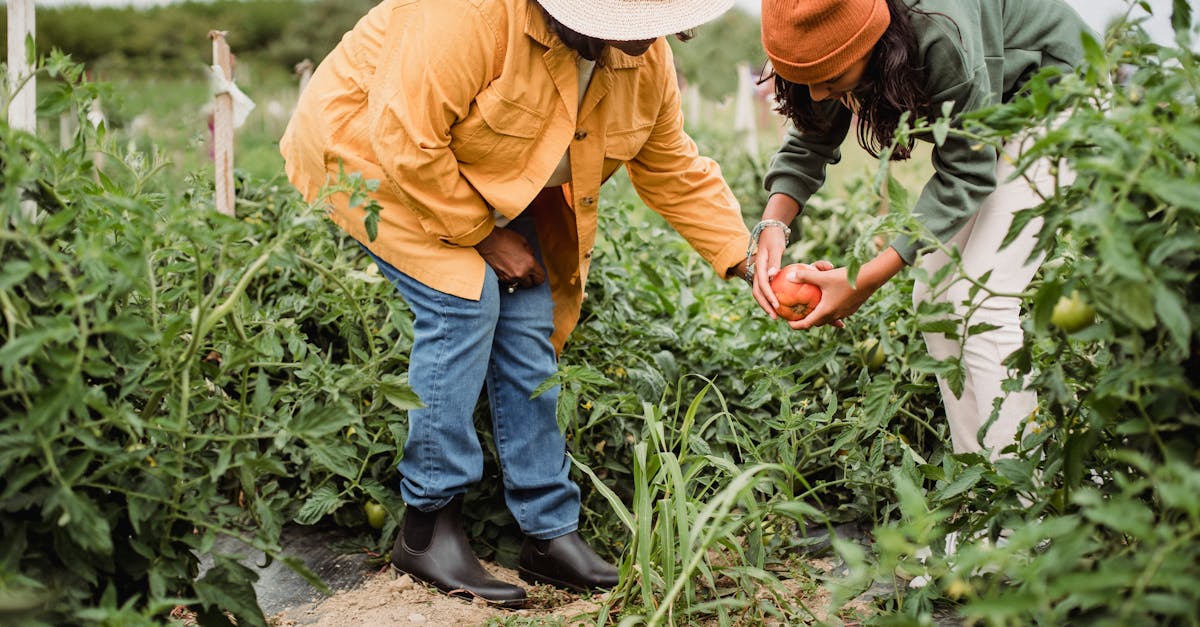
(771, 244)
(792, 275)
(838, 298)
(511, 257)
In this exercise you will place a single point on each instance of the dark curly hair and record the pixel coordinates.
(892, 84)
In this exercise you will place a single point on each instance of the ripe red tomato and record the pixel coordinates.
(795, 299)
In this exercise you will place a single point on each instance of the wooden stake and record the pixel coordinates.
(744, 116)
(304, 70)
(223, 126)
(22, 111)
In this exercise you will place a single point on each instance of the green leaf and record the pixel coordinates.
(941, 128)
(13, 272)
(1093, 52)
(398, 393)
(85, 523)
(1181, 19)
(1134, 301)
(314, 422)
(963, 482)
(1170, 308)
(337, 457)
(323, 501)
(797, 510)
(229, 586)
(1119, 513)
(55, 331)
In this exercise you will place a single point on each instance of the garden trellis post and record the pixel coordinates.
(22, 110)
(223, 124)
(304, 70)
(744, 112)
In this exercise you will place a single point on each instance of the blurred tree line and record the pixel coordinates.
(169, 38)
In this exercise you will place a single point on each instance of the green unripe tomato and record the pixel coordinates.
(376, 514)
(1072, 313)
(870, 352)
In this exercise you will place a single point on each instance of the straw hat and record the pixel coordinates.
(632, 20)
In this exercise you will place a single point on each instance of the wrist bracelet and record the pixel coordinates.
(752, 248)
(766, 224)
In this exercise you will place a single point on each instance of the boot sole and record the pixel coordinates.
(459, 593)
(529, 576)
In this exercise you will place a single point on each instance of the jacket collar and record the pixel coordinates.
(536, 28)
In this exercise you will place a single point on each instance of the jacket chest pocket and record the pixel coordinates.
(623, 145)
(496, 129)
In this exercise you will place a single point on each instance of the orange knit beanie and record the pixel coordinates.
(812, 41)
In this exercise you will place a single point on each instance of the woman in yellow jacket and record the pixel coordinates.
(490, 125)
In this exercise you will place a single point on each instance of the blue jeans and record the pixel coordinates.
(504, 340)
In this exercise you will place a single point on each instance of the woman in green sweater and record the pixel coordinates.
(836, 61)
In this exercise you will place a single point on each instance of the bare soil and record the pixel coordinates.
(387, 598)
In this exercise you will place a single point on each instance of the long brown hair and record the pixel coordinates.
(892, 84)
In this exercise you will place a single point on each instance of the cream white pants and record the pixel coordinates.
(1011, 271)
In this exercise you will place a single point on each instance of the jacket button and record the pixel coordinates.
(587, 255)
(588, 200)
(580, 134)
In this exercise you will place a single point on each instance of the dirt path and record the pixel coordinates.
(387, 598)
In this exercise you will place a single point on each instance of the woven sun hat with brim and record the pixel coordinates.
(633, 20)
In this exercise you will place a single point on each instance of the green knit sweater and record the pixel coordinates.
(975, 53)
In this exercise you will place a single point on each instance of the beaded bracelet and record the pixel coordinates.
(753, 247)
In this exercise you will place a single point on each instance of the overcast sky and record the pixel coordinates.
(1096, 12)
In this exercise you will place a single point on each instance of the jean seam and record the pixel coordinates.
(439, 369)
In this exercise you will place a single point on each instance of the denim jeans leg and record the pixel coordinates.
(452, 339)
(532, 449)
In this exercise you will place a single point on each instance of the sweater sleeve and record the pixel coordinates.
(964, 173)
(798, 167)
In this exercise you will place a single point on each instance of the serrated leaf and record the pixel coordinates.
(314, 422)
(229, 586)
(963, 482)
(322, 502)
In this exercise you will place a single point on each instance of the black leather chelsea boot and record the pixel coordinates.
(566, 562)
(432, 548)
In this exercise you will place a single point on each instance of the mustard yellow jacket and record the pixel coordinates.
(459, 107)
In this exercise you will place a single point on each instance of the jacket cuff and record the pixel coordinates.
(729, 256)
(475, 235)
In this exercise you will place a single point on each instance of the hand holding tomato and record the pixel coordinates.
(795, 299)
(782, 298)
(838, 298)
